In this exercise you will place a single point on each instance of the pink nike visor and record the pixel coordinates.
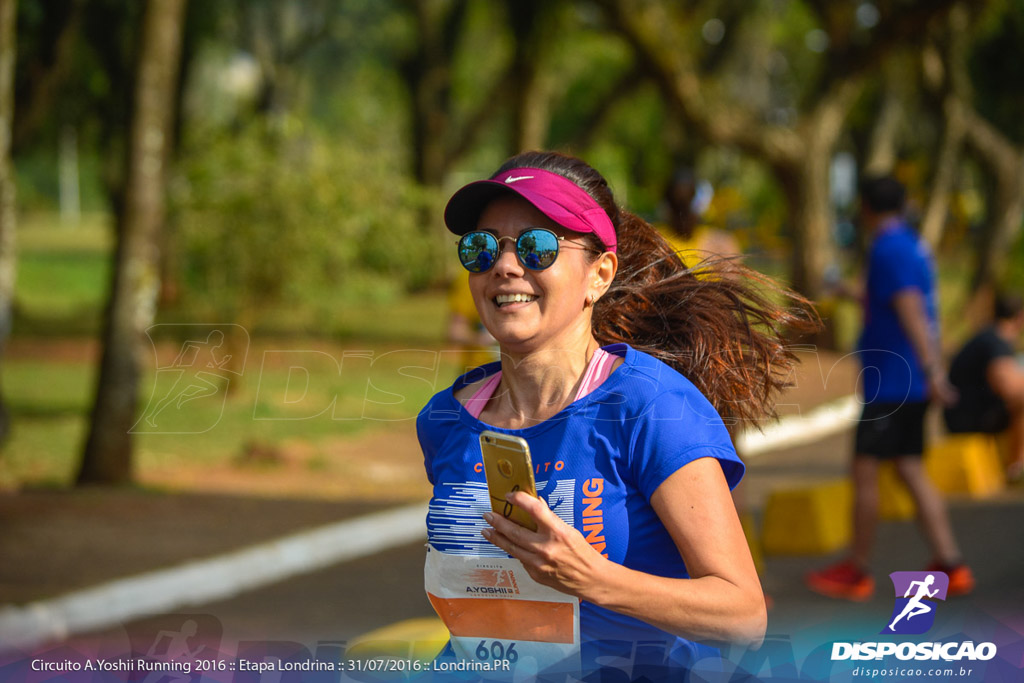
(558, 198)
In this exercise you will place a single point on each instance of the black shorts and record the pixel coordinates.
(890, 430)
(987, 418)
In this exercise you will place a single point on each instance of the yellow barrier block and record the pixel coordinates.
(418, 639)
(813, 519)
(966, 463)
(894, 500)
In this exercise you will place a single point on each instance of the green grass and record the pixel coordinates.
(422, 317)
(62, 283)
(411, 319)
(42, 232)
(62, 271)
(63, 276)
(42, 451)
(286, 392)
(60, 290)
(42, 389)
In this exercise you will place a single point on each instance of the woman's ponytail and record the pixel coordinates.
(719, 323)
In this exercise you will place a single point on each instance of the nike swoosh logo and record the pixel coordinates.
(512, 179)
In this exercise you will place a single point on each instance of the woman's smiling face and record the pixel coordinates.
(525, 309)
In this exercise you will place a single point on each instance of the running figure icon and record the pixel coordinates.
(208, 360)
(916, 606)
(171, 648)
(201, 367)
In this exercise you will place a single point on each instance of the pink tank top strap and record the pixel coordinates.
(598, 370)
(475, 404)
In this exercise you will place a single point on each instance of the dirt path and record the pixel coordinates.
(383, 465)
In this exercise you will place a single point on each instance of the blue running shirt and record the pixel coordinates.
(597, 463)
(892, 372)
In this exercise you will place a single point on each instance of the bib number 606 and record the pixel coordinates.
(496, 650)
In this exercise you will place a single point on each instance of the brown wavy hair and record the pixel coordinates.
(721, 324)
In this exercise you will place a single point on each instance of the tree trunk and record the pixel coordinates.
(806, 192)
(37, 102)
(882, 146)
(7, 216)
(1002, 230)
(1005, 164)
(945, 70)
(805, 188)
(933, 224)
(805, 180)
(429, 77)
(107, 457)
(532, 113)
(531, 109)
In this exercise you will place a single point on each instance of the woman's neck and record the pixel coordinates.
(535, 385)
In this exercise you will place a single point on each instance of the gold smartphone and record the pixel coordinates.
(508, 468)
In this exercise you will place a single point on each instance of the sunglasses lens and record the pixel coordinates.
(537, 249)
(478, 251)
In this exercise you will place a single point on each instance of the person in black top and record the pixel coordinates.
(990, 381)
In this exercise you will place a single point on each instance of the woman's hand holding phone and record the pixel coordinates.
(555, 554)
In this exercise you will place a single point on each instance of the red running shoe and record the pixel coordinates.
(961, 578)
(843, 580)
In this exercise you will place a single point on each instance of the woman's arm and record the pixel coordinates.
(721, 601)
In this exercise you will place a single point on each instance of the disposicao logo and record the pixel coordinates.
(912, 614)
(916, 592)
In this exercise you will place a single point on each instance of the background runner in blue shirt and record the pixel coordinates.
(902, 371)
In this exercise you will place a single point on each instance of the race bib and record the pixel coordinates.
(496, 613)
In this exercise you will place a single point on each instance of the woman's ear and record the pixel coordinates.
(604, 272)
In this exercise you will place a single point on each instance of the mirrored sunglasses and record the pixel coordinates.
(536, 249)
